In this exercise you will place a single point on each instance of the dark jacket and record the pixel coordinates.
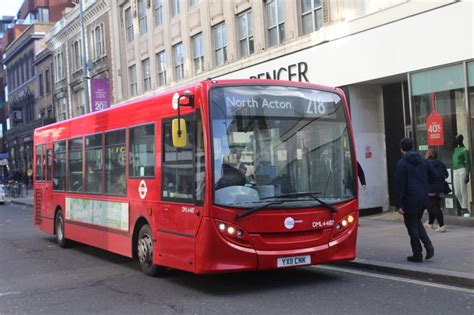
(437, 185)
(412, 175)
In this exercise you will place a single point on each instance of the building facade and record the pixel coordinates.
(44, 77)
(65, 41)
(21, 46)
(388, 56)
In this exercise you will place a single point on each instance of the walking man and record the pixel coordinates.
(412, 175)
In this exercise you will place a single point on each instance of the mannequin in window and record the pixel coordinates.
(461, 168)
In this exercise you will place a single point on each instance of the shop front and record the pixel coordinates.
(442, 119)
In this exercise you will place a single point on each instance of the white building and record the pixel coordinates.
(392, 58)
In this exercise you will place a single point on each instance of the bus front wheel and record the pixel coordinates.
(145, 252)
(59, 230)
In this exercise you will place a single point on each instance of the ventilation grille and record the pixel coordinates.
(38, 201)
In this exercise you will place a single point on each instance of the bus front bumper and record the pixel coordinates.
(215, 254)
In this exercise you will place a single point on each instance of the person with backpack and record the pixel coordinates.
(436, 191)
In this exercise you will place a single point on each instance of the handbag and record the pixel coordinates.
(447, 189)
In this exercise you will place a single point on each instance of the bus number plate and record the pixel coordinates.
(294, 261)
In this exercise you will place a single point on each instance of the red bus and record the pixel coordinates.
(218, 176)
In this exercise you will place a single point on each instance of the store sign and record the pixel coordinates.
(100, 94)
(434, 129)
(292, 72)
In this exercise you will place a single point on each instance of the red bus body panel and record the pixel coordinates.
(186, 235)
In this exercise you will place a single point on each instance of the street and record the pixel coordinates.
(36, 276)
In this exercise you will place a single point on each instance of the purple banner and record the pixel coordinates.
(100, 94)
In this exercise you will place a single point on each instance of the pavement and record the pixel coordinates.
(383, 245)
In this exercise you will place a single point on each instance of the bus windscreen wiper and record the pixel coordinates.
(255, 209)
(305, 194)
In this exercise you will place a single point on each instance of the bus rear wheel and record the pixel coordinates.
(145, 252)
(59, 230)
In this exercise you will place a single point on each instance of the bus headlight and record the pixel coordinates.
(343, 224)
(233, 233)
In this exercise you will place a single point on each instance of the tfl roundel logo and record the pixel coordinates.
(289, 223)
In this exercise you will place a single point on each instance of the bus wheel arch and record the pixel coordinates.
(59, 228)
(142, 248)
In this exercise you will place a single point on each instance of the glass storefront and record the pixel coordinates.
(441, 112)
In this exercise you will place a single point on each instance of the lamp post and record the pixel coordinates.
(84, 59)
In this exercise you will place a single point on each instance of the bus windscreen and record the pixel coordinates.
(270, 141)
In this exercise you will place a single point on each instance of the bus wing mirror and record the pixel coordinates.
(179, 133)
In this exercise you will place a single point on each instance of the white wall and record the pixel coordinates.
(441, 36)
(368, 124)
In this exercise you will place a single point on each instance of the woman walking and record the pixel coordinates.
(436, 191)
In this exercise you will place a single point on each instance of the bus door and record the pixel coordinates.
(183, 181)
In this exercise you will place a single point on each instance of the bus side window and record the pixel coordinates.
(142, 151)
(178, 178)
(39, 164)
(115, 163)
(75, 165)
(59, 166)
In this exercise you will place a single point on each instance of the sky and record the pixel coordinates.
(10, 7)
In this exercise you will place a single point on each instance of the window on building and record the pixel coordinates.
(276, 21)
(40, 85)
(22, 72)
(311, 15)
(220, 44)
(198, 53)
(142, 151)
(98, 40)
(75, 165)
(59, 166)
(27, 67)
(142, 16)
(132, 77)
(146, 74)
(175, 9)
(115, 162)
(158, 12)
(62, 109)
(178, 61)
(76, 55)
(161, 65)
(47, 82)
(245, 34)
(59, 66)
(94, 164)
(32, 63)
(193, 2)
(129, 24)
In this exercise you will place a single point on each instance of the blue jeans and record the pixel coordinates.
(417, 232)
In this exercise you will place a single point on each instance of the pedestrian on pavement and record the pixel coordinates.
(412, 175)
(436, 191)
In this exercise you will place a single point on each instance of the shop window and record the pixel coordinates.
(59, 166)
(75, 165)
(115, 163)
(94, 164)
(441, 92)
(142, 151)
